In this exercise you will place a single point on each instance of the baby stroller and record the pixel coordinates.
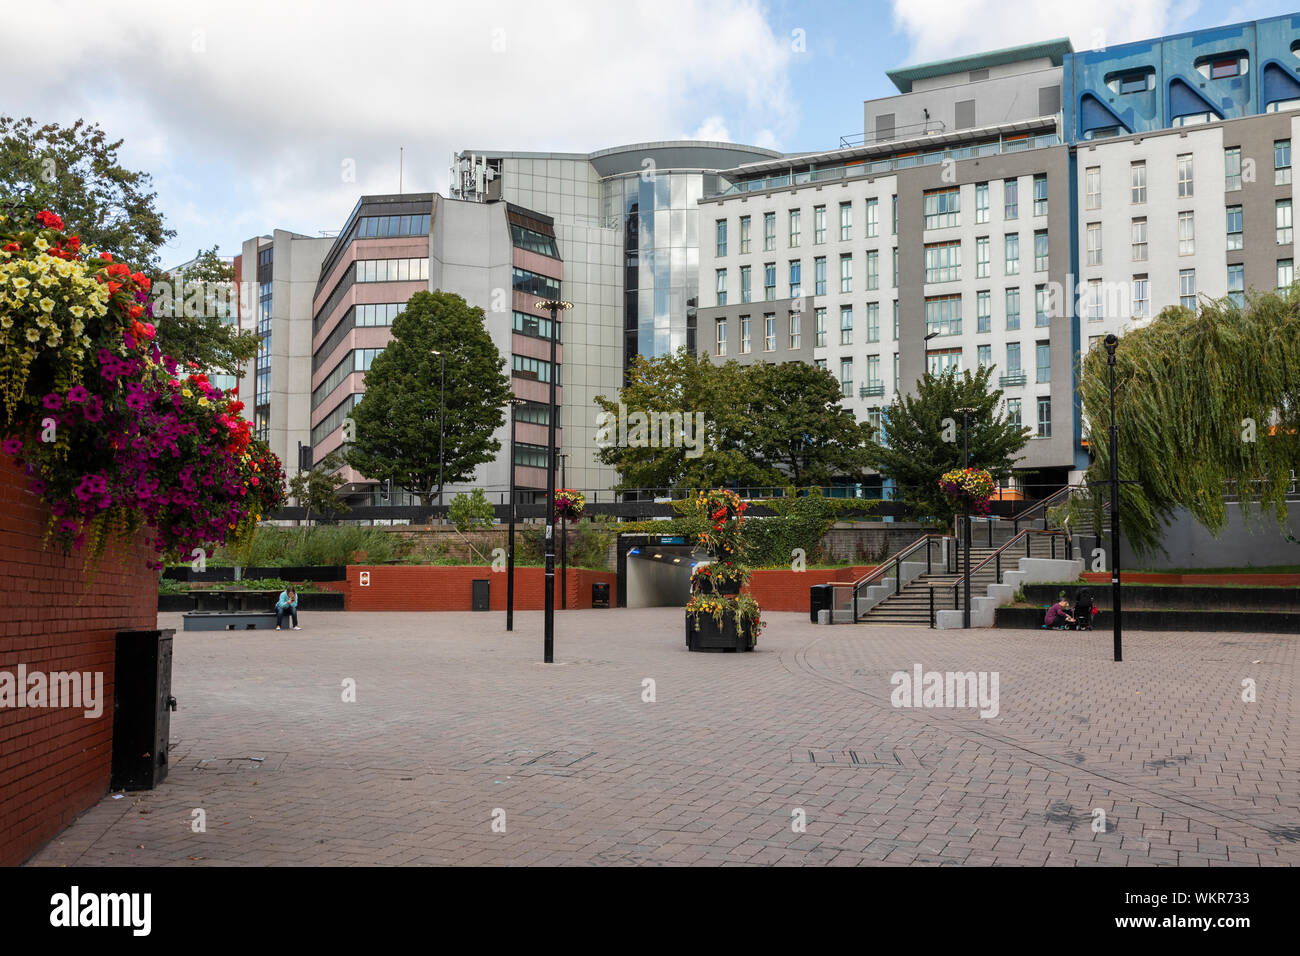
(1084, 609)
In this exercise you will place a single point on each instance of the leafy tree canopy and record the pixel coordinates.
(194, 315)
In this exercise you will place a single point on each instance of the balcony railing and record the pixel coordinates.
(871, 391)
(1014, 379)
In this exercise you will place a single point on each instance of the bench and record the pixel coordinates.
(228, 620)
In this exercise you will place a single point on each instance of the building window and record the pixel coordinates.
(983, 258)
(1013, 412)
(893, 255)
(721, 332)
(794, 228)
(1092, 190)
(769, 332)
(1234, 228)
(1094, 300)
(1013, 358)
(769, 231)
(873, 269)
(746, 338)
(796, 278)
(819, 328)
(1040, 250)
(1012, 254)
(1237, 285)
(846, 377)
(744, 234)
(1094, 243)
(1285, 274)
(1040, 195)
(846, 221)
(1011, 199)
(820, 363)
(372, 227)
(1232, 168)
(943, 314)
(896, 375)
(1185, 176)
(1042, 307)
(720, 237)
(1138, 180)
(769, 281)
(1044, 418)
(1043, 353)
(983, 311)
(819, 224)
(1283, 222)
(941, 361)
(1138, 235)
(1141, 297)
(893, 215)
(981, 202)
(895, 320)
(746, 291)
(819, 275)
(873, 370)
(873, 321)
(377, 314)
(1282, 162)
(796, 329)
(409, 270)
(1186, 233)
(983, 355)
(1187, 288)
(536, 369)
(846, 273)
(873, 218)
(942, 208)
(722, 286)
(846, 325)
(1013, 309)
(943, 261)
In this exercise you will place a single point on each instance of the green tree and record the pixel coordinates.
(317, 488)
(468, 512)
(686, 385)
(1207, 404)
(397, 434)
(924, 435)
(74, 171)
(798, 425)
(194, 310)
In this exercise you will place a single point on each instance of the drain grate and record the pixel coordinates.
(894, 759)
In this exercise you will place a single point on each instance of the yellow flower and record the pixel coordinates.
(46, 304)
(187, 393)
(203, 401)
(41, 244)
(78, 311)
(21, 283)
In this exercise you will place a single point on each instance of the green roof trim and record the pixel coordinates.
(1055, 50)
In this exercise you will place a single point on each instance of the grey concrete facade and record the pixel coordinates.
(794, 335)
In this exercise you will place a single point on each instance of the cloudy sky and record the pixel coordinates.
(250, 113)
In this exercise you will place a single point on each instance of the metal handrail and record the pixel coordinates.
(996, 556)
(880, 571)
(1043, 504)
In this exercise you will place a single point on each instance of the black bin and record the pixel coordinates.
(819, 599)
(600, 594)
(142, 705)
(480, 599)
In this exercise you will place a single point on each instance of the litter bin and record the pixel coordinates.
(142, 705)
(600, 594)
(819, 599)
(480, 598)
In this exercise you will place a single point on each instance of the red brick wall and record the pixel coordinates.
(414, 588)
(54, 763)
(776, 589)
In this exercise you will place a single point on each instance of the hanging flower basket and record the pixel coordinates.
(972, 487)
(570, 504)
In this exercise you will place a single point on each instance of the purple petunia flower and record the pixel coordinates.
(52, 401)
(77, 394)
(94, 410)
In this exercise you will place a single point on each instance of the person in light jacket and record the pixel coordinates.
(288, 603)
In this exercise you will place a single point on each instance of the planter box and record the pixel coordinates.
(703, 634)
(725, 588)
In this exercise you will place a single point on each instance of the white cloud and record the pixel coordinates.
(713, 128)
(244, 110)
(939, 29)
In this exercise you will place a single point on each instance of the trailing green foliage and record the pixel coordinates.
(327, 545)
(588, 546)
(1207, 404)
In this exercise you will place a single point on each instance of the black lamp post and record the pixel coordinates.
(510, 534)
(965, 515)
(1110, 342)
(564, 542)
(442, 413)
(554, 306)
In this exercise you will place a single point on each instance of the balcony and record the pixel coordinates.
(871, 391)
(1012, 380)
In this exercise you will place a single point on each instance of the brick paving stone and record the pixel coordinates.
(454, 719)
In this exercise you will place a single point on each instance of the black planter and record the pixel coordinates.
(710, 586)
(703, 634)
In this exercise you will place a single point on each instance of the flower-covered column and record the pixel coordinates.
(718, 616)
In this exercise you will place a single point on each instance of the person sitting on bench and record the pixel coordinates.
(288, 603)
(1058, 615)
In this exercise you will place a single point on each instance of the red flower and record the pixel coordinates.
(49, 220)
(74, 243)
(113, 287)
(13, 247)
(136, 311)
(106, 256)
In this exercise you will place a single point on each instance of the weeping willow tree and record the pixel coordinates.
(1208, 405)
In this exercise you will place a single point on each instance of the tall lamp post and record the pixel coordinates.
(564, 542)
(965, 515)
(1110, 342)
(510, 535)
(555, 307)
(442, 413)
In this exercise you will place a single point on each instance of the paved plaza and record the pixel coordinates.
(457, 725)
